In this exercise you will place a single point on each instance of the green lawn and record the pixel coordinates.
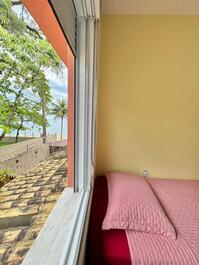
(4, 144)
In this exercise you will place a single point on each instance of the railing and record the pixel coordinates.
(61, 143)
(56, 145)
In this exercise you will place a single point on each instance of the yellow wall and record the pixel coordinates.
(148, 102)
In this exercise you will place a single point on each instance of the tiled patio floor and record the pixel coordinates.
(25, 204)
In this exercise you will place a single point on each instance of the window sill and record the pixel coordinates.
(58, 242)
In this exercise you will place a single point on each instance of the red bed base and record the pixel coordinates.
(104, 247)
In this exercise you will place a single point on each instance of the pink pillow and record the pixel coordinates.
(132, 205)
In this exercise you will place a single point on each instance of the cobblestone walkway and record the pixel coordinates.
(25, 204)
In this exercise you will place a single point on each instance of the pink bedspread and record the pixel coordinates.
(180, 200)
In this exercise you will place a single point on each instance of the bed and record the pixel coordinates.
(169, 209)
(104, 247)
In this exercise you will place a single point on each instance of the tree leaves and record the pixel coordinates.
(60, 109)
(25, 55)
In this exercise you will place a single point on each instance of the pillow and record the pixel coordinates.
(132, 205)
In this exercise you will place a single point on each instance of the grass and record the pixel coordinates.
(4, 144)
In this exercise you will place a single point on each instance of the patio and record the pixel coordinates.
(25, 204)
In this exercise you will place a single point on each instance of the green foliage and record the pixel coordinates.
(8, 19)
(25, 55)
(5, 176)
(59, 111)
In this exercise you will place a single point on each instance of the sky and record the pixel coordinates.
(59, 89)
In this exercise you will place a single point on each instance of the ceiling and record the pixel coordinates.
(150, 7)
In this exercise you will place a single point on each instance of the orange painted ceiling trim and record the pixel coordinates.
(42, 12)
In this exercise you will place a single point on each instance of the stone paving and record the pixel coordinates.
(25, 204)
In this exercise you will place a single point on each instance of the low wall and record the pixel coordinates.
(60, 145)
(22, 156)
(11, 139)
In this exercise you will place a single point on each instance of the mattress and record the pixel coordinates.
(104, 247)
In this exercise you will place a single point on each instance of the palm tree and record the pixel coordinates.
(60, 110)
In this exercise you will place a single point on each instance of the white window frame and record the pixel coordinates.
(84, 103)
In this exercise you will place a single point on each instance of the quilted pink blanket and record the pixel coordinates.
(180, 201)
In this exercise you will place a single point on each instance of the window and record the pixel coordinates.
(62, 233)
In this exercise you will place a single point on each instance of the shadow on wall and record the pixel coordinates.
(21, 163)
(22, 156)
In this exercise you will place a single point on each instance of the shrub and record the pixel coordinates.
(5, 176)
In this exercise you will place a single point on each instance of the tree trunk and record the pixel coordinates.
(2, 135)
(17, 135)
(43, 108)
(19, 129)
(14, 107)
(62, 120)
